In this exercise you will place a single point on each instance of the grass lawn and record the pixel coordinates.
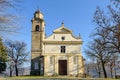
(52, 78)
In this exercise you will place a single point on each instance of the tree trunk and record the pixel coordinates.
(10, 71)
(88, 70)
(98, 71)
(111, 72)
(98, 68)
(104, 71)
(115, 71)
(115, 68)
(99, 74)
(16, 69)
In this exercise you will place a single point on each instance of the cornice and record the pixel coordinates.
(62, 42)
(62, 54)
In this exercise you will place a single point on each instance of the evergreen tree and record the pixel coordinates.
(3, 56)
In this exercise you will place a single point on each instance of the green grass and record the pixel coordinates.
(52, 78)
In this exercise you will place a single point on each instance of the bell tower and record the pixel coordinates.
(38, 35)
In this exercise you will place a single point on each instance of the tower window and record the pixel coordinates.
(62, 49)
(37, 28)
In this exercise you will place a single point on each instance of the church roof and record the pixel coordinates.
(62, 29)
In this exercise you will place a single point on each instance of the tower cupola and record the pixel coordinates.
(38, 15)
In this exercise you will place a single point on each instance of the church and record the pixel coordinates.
(58, 54)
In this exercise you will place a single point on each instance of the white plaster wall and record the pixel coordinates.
(72, 68)
(55, 48)
(57, 37)
(62, 58)
(49, 68)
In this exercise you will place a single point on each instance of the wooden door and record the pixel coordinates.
(62, 67)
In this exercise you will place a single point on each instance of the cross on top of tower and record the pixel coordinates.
(38, 14)
(62, 24)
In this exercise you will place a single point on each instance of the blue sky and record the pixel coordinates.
(77, 15)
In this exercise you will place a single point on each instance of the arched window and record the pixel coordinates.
(37, 28)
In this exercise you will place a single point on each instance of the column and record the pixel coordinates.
(81, 65)
(68, 65)
(56, 65)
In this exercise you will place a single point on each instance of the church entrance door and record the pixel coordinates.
(62, 67)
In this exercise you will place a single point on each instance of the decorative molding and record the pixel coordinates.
(62, 42)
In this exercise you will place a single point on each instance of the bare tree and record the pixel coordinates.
(98, 67)
(18, 54)
(87, 69)
(113, 63)
(22, 71)
(107, 35)
(98, 50)
(7, 19)
(111, 23)
(10, 65)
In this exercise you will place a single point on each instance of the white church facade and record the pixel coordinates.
(58, 54)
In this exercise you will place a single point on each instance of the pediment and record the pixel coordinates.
(62, 30)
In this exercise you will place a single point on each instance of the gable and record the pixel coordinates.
(58, 37)
(63, 34)
(62, 30)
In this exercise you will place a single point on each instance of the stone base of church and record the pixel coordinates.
(55, 75)
(81, 75)
(37, 73)
(70, 75)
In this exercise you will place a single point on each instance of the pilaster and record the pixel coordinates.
(56, 64)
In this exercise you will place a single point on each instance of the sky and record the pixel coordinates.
(77, 15)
